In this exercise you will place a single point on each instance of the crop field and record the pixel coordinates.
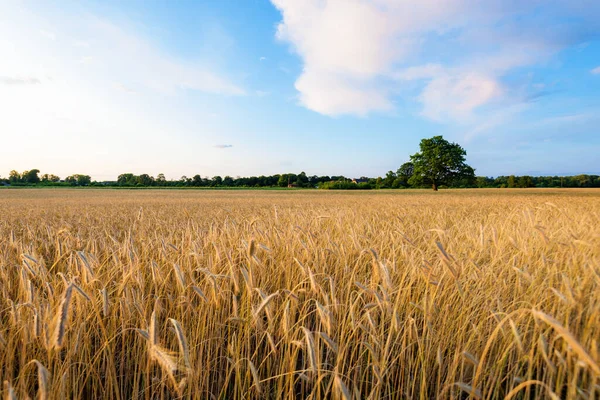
(145, 294)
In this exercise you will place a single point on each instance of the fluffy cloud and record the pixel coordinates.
(359, 54)
(457, 96)
(332, 94)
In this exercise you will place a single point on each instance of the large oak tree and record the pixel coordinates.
(439, 163)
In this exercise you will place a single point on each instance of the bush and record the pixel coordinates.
(345, 185)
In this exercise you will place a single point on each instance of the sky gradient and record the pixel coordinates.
(329, 87)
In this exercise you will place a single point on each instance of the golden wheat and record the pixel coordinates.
(258, 294)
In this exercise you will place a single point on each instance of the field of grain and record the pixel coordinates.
(297, 294)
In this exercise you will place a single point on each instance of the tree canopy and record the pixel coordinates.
(440, 163)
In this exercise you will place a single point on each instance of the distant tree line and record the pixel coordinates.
(403, 178)
(438, 164)
(300, 180)
(32, 177)
(525, 181)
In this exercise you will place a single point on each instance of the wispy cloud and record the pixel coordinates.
(567, 119)
(493, 120)
(596, 71)
(261, 93)
(81, 43)
(534, 96)
(454, 95)
(48, 34)
(262, 58)
(124, 88)
(91, 104)
(116, 51)
(19, 81)
(223, 146)
(137, 60)
(86, 59)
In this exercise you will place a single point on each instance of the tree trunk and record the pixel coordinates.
(434, 186)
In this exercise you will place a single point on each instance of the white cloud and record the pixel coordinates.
(343, 44)
(86, 59)
(358, 55)
(136, 60)
(114, 51)
(223, 146)
(332, 94)
(491, 121)
(350, 47)
(48, 34)
(261, 93)
(262, 58)
(124, 88)
(457, 96)
(596, 71)
(73, 117)
(570, 119)
(452, 93)
(7, 80)
(80, 43)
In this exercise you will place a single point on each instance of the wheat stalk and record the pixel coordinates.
(183, 346)
(569, 338)
(310, 349)
(61, 318)
(43, 376)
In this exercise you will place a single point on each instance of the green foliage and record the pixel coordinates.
(283, 180)
(31, 176)
(525, 182)
(440, 163)
(79, 180)
(484, 181)
(302, 179)
(127, 179)
(217, 181)
(511, 182)
(388, 181)
(404, 173)
(539, 181)
(228, 181)
(145, 180)
(14, 177)
(345, 185)
(197, 180)
(47, 178)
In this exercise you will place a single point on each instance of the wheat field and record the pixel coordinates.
(299, 294)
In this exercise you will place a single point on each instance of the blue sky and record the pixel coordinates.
(250, 87)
